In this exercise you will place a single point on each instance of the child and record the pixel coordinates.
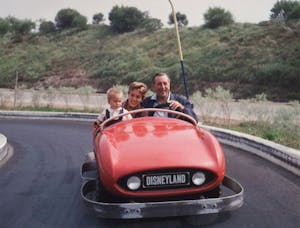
(114, 98)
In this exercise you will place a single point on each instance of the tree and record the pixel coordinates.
(295, 14)
(69, 18)
(286, 9)
(19, 28)
(79, 22)
(125, 19)
(181, 19)
(216, 17)
(98, 18)
(4, 26)
(152, 24)
(47, 27)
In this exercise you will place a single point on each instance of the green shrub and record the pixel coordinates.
(79, 22)
(98, 18)
(180, 17)
(47, 27)
(20, 28)
(277, 74)
(125, 19)
(4, 26)
(216, 17)
(70, 18)
(152, 24)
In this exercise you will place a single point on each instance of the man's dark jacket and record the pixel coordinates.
(188, 107)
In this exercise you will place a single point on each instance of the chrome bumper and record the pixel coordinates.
(231, 201)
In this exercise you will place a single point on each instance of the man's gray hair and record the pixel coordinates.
(158, 75)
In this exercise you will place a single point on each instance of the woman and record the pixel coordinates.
(136, 94)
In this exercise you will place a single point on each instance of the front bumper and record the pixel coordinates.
(134, 210)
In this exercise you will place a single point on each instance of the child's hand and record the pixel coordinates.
(97, 124)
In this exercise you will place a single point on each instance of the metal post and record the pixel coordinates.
(179, 48)
(16, 88)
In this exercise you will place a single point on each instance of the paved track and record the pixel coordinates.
(40, 184)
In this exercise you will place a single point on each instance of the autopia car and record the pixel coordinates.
(156, 167)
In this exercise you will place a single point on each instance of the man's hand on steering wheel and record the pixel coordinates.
(175, 105)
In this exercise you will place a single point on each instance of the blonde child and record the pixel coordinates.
(114, 98)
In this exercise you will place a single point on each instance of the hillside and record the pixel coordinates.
(247, 59)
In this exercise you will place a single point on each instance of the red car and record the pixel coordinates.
(156, 166)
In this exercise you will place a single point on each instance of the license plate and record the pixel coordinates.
(166, 180)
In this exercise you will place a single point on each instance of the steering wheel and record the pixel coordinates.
(179, 115)
(164, 106)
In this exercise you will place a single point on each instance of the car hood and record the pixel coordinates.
(158, 143)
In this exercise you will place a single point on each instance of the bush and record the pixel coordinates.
(69, 18)
(181, 19)
(20, 28)
(277, 74)
(98, 18)
(4, 26)
(79, 22)
(47, 27)
(216, 17)
(125, 19)
(152, 24)
(295, 14)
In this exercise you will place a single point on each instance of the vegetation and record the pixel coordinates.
(151, 24)
(224, 61)
(286, 9)
(70, 18)
(271, 131)
(216, 17)
(181, 19)
(287, 135)
(257, 116)
(125, 19)
(47, 27)
(4, 26)
(247, 59)
(98, 18)
(18, 28)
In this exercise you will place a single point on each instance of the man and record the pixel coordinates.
(163, 97)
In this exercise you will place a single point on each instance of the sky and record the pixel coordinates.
(252, 11)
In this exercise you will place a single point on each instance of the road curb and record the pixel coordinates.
(3, 146)
(283, 156)
(49, 115)
(286, 157)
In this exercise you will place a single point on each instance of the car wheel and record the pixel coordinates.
(102, 194)
(215, 193)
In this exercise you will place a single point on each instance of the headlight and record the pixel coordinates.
(133, 183)
(198, 178)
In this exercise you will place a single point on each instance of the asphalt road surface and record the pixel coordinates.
(40, 184)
